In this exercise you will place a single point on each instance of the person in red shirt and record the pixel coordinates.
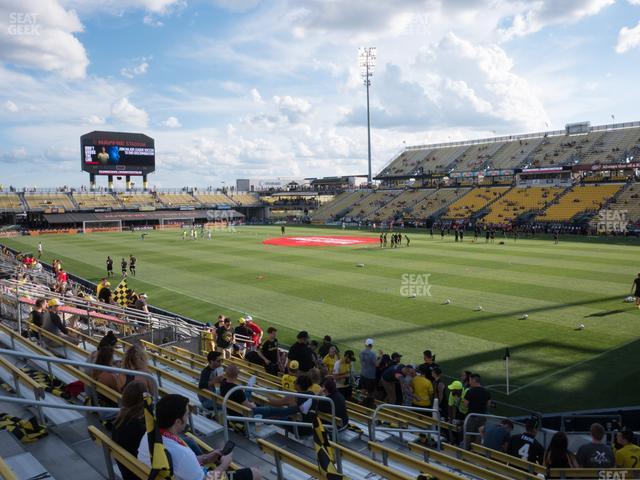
(257, 331)
(62, 276)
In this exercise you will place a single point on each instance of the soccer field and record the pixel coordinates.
(553, 365)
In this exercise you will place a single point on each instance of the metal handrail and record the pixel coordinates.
(75, 363)
(334, 429)
(62, 406)
(393, 406)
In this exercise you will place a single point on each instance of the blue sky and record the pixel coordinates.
(251, 88)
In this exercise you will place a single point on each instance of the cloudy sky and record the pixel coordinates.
(250, 88)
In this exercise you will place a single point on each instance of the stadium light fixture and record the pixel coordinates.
(367, 64)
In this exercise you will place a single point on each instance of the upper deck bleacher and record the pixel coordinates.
(10, 202)
(38, 202)
(96, 200)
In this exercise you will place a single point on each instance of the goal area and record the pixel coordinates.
(179, 222)
(89, 226)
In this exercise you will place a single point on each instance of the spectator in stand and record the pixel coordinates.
(368, 364)
(317, 360)
(497, 436)
(129, 426)
(477, 401)
(429, 364)
(243, 335)
(330, 359)
(135, 358)
(422, 389)
(210, 376)
(406, 384)
(103, 283)
(343, 374)
(256, 331)
(62, 278)
(301, 353)
(390, 380)
(109, 340)
(110, 379)
(525, 446)
(340, 403)
(627, 453)
(172, 413)
(229, 381)
(558, 454)
(465, 378)
(38, 312)
(439, 391)
(316, 380)
(141, 303)
(595, 454)
(224, 338)
(384, 362)
(55, 325)
(323, 349)
(288, 380)
(269, 352)
(453, 402)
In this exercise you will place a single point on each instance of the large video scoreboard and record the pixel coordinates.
(117, 153)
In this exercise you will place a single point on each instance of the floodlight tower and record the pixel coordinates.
(367, 64)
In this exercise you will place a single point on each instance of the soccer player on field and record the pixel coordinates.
(636, 286)
(132, 265)
(123, 266)
(109, 267)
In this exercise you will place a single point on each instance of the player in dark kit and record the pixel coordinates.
(123, 266)
(556, 236)
(282, 230)
(109, 267)
(406, 237)
(132, 265)
(636, 285)
(381, 239)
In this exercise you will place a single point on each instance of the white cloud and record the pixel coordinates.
(236, 5)
(125, 112)
(171, 122)
(96, 120)
(41, 35)
(152, 21)
(540, 14)
(255, 96)
(139, 69)
(628, 38)
(294, 108)
(10, 106)
(118, 7)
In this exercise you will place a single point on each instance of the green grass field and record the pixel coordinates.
(320, 289)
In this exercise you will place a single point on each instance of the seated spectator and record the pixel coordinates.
(316, 380)
(141, 303)
(37, 314)
(525, 445)
(172, 418)
(339, 402)
(627, 454)
(129, 425)
(595, 454)
(229, 381)
(105, 294)
(109, 340)
(288, 380)
(135, 358)
(110, 379)
(497, 436)
(558, 454)
(330, 359)
(55, 325)
(210, 376)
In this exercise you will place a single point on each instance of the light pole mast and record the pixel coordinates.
(367, 62)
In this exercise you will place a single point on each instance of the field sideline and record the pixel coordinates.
(554, 367)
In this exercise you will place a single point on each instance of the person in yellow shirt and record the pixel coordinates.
(422, 390)
(628, 455)
(288, 380)
(331, 358)
(343, 374)
(316, 378)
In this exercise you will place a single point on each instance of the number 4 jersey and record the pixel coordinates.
(527, 448)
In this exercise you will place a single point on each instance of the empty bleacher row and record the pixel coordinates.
(598, 146)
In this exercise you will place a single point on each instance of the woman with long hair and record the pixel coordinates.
(110, 379)
(129, 426)
(558, 454)
(135, 358)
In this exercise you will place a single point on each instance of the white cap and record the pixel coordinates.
(248, 318)
(368, 341)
